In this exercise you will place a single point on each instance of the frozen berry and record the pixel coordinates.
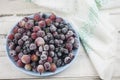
(28, 33)
(61, 42)
(53, 67)
(69, 34)
(52, 47)
(46, 38)
(56, 42)
(33, 46)
(62, 37)
(11, 36)
(40, 68)
(67, 60)
(52, 17)
(19, 63)
(42, 23)
(71, 55)
(43, 57)
(45, 52)
(70, 40)
(17, 49)
(33, 35)
(12, 52)
(47, 66)
(12, 46)
(25, 37)
(20, 55)
(59, 62)
(52, 28)
(20, 42)
(40, 48)
(48, 22)
(34, 57)
(59, 54)
(49, 59)
(49, 35)
(37, 17)
(46, 47)
(64, 30)
(65, 51)
(38, 53)
(28, 67)
(51, 42)
(15, 30)
(36, 28)
(59, 31)
(17, 36)
(51, 53)
(25, 59)
(21, 30)
(39, 41)
(29, 25)
(41, 62)
(40, 33)
(69, 46)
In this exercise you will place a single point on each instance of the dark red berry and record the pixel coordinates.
(19, 63)
(11, 36)
(33, 35)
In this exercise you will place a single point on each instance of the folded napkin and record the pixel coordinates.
(97, 35)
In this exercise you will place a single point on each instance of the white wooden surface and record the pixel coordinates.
(84, 69)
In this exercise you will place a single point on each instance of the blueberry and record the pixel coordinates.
(25, 37)
(40, 48)
(33, 46)
(17, 36)
(52, 28)
(67, 60)
(59, 54)
(52, 47)
(20, 42)
(40, 33)
(59, 62)
(17, 49)
(51, 53)
(46, 47)
(43, 57)
(64, 30)
(47, 66)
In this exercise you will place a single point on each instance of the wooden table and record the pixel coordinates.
(13, 10)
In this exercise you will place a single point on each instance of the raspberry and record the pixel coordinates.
(11, 36)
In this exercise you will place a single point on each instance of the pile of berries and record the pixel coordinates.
(42, 43)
